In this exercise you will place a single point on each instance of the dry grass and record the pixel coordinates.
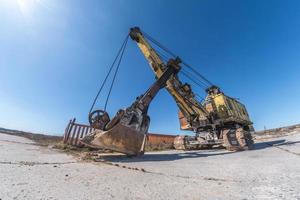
(41, 139)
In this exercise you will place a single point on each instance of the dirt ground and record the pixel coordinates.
(271, 171)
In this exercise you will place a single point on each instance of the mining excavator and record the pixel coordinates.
(218, 120)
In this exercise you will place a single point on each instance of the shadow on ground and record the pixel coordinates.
(263, 145)
(177, 155)
(152, 157)
(288, 143)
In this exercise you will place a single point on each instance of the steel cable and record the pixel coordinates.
(107, 75)
(116, 72)
(174, 55)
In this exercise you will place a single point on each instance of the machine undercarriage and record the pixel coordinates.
(234, 139)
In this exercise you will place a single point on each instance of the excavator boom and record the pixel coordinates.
(191, 111)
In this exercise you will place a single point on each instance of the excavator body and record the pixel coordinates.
(224, 108)
(218, 120)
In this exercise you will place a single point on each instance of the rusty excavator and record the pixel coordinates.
(217, 120)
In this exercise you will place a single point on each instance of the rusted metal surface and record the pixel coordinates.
(157, 139)
(74, 132)
(133, 143)
(184, 124)
(120, 138)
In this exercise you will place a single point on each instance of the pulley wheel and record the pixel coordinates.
(98, 119)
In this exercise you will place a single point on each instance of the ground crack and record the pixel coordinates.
(196, 178)
(27, 163)
(163, 174)
(118, 165)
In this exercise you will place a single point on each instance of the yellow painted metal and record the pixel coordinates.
(157, 65)
(227, 108)
(153, 59)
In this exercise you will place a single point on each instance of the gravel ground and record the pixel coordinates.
(271, 171)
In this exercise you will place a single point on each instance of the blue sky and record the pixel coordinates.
(54, 55)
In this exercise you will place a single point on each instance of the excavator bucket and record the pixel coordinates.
(120, 138)
(126, 132)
